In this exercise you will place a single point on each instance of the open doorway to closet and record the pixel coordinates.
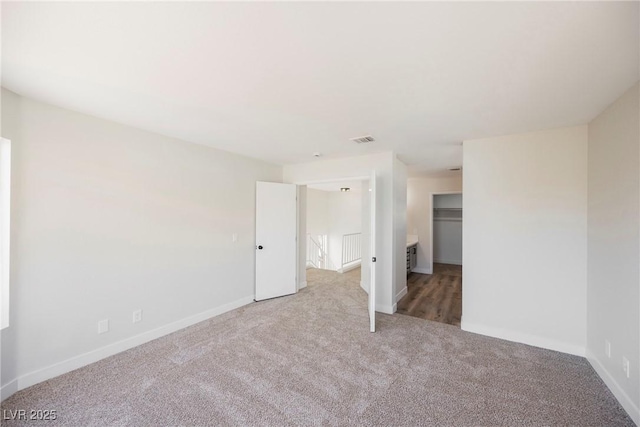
(438, 295)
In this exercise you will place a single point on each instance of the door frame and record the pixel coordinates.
(301, 236)
(431, 197)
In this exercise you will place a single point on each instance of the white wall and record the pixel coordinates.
(8, 339)
(345, 217)
(108, 219)
(613, 293)
(317, 212)
(354, 167)
(334, 213)
(400, 229)
(447, 242)
(302, 241)
(525, 238)
(419, 213)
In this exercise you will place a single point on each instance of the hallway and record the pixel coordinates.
(436, 296)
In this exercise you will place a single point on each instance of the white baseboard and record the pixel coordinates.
(421, 270)
(93, 356)
(386, 309)
(534, 340)
(448, 261)
(402, 293)
(302, 285)
(8, 389)
(627, 403)
(349, 267)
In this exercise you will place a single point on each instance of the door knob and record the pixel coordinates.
(260, 247)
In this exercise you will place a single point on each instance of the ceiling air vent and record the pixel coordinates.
(363, 139)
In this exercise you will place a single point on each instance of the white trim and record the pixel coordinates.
(624, 399)
(524, 338)
(93, 356)
(402, 293)
(386, 309)
(302, 285)
(445, 261)
(8, 389)
(421, 270)
(351, 266)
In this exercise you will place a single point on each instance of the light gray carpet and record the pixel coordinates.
(308, 359)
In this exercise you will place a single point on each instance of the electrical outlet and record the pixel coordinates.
(103, 326)
(625, 366)
(137, 316)
(234, 237)
(607, 348)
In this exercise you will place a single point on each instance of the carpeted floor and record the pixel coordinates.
(308, 359)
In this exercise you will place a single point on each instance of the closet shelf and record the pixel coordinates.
(447, 214)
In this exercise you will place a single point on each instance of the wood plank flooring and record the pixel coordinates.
(436, 296)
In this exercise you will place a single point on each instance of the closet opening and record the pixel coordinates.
(437, 295)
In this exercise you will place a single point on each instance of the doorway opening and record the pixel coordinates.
(281, 243)
(349, 246)
(438, 295)
(334, 232)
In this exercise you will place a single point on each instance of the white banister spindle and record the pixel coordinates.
(350, 248)
(317, 252)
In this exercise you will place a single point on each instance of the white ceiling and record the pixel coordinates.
(278, 81)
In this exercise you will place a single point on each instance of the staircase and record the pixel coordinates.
(317, 252)
(318, 248)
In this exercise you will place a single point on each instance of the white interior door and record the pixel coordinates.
(276, 230)
(372, 241)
